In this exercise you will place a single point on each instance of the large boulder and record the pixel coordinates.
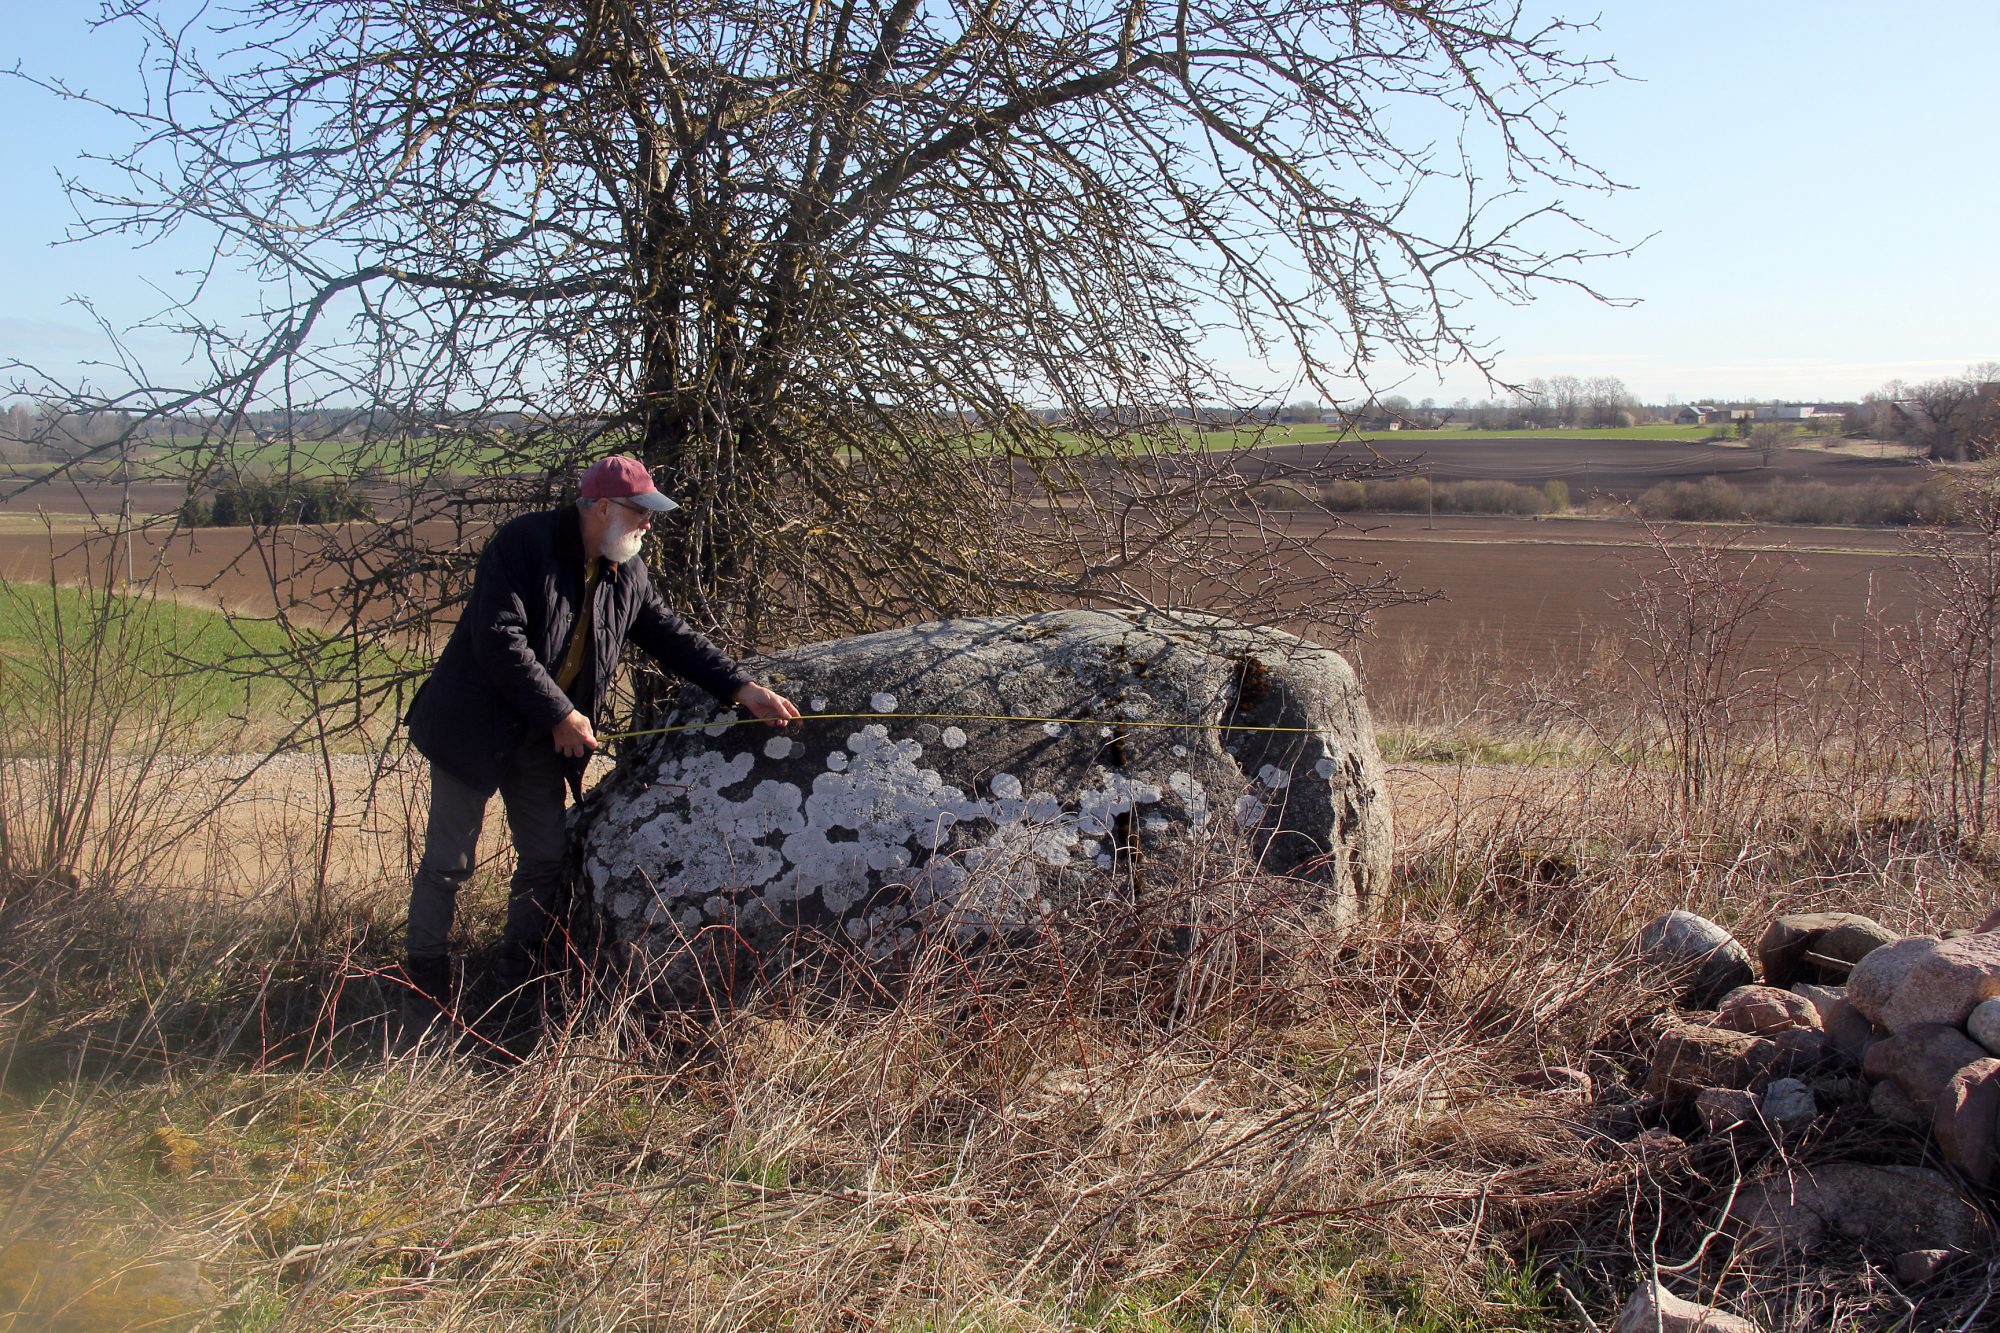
(1003, 773)
(1843, 1023)
(1926, 980)
(1764, 1009)
(1692, 1056)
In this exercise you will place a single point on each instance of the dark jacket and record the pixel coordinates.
(493, 690)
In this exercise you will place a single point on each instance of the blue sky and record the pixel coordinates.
(1815, 178)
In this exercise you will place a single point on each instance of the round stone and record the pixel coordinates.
(1699, 957)
(1984, 1024)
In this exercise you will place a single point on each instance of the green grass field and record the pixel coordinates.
(68, 648)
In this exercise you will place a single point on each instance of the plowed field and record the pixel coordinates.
(1522, 592)
(1617, 469)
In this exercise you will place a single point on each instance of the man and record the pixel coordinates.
(513, 699)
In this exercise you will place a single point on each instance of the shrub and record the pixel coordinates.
(1883, 505)
(1710, 500)
(1490, 497)
(269, 501)
(1812, 502)
(1345, 497)
(1277, 495)
(1809, 503)
(1405, 494)
(1556, 491)
(1936, 502)
(1416, 495)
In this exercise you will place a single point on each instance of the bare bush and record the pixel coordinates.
(1710, 500)
(1944, 665)
(1877, 504)
(1695, 607)
(95, 734)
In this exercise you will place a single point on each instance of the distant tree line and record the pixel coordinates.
(1561, 402)
(267, 502)
(32, 431)
(1953, 419)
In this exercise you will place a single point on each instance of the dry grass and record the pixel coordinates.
(1268, 1128)
(1210, 1111)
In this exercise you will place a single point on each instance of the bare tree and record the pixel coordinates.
(1769, 438)
(812, 262)
(1954, 418)
(1608, 402)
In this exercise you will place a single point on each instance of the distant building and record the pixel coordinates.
(1704, 414)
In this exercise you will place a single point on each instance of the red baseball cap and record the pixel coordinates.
(621, 478)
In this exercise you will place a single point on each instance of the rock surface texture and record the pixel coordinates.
(1765, 1009)
(1890, 1208)
(1820, 947)
(1695, 954)
(870, 832)
(1984, 1025)
(1654, 1309)
(1967, 1115)
(1926, 980)
(1921, 1058)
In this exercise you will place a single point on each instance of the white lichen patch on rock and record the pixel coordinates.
(731, 851)
(1098, 809)
(1192, 795)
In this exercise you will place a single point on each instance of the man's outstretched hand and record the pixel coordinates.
(767, 703)
(573, 736)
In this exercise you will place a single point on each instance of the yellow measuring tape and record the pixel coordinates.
(957, 717)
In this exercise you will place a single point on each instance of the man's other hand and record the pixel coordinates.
(574, 737)
(767, 703)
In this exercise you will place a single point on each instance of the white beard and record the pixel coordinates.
(624, 546)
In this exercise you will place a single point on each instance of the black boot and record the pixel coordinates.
(426, 1009)
(515, 981)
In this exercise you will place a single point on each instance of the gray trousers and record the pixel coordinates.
(532, 791)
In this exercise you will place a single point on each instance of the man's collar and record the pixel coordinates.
(569, 533)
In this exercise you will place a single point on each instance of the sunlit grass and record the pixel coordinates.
(220, 669)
